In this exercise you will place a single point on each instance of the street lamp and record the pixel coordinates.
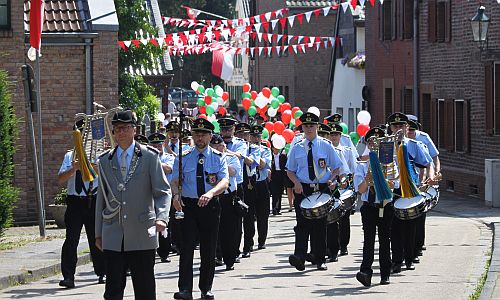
(479, 24)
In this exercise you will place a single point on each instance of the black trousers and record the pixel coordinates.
(199, 223)
(141, 264)
(372, 222)
(229, 237)
(262, 202)
(305, 228)
(165, 244)
(249, 218)
(345, 230)
(403, 240)
(277, 185)
(332, 239)
(420, 233)
(79, 212)
(241, 194)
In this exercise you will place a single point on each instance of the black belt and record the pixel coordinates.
(80, 197)
(310, 188)
(376, 205)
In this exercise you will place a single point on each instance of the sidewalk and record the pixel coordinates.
(42, 259)
(37, 258)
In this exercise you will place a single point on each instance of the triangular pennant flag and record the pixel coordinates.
(268, 16)
(154, 42)
(345, 5)
(252, 51)
(279, 36)
(318, 46)
(308, 16)
(224, 22)
(144, 41)
(260, 51)
(265, 37)
(122, 45)
(197, 31)
(137, 43)
(290, 48)
(326, 44)
(257, 26)
(290, 20)
(270, 36)
(316, 12)
(326, 10)
(372, 2)
(127, 43)
(259, 35)
(273, 23)
(381, 2)
(270, 50)
(294, 47)
(278, 50)
(303, 48)
(362, 3)
(290, 37)
(246, 50)
(300, 17)
(166, 20)
(266, 27)
(300, 39)
(283, 23)
(354, 3)
(246, 21)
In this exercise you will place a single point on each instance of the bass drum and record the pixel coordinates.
(316, 206)
(336, 212)
(409, 208)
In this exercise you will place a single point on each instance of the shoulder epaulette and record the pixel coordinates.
(104, 153)
(253, 146)
(229, 154)
(217, 152)
(186, 152)
(152, 149)
(238, 139)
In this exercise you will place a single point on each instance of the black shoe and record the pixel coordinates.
(343, 252)
(410, 266)
(321, 267)
(310, 258)
(416, 260)
(67, 283)
(419, 253)
(207, 295)
(245, 255)
(128, 273)
(101, 280)
(261, 247)
(333, 259)
(396, 268)
(290, 209)
(278, 213)
(229, 267)
(183, 295)
(237, 259)
(218, 262)
(384, 280)
(297, 262)
(365, 279)
(423, 248)
(165, 260)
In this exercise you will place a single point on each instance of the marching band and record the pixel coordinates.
(211, 193)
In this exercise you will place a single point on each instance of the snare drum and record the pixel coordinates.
(409, 208)
(348, 198)
(336, 212)
(316, 206)
(431, 196)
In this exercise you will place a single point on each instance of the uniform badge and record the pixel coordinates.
(121, 187)
(212, 179)
(201, 161)
(322, 163)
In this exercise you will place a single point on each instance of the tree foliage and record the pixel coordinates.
(8, 124)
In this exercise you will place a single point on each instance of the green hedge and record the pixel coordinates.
(8, 133)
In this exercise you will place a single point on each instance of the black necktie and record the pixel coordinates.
(78, 182)
(310, 162)
(371, 194)
(200, 179)
(172, 146)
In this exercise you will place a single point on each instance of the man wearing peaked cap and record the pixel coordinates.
(204, 177)
(324, 130)
(156, 138)
(397, 118)
(126, 116)
(226, 122)
(141, 139)
(335, 118)
(309, 118)
(242, 127)
(171, 144)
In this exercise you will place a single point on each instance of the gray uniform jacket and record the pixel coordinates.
(146, 198)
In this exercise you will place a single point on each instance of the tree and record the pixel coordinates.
(8, 124)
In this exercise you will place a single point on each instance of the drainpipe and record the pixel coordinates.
(416, 81)
(88, 77)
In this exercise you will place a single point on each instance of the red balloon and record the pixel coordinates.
(208, 99)
(263, 115)
(222, 110)
(202, 116)
(247, 87)
(269, 126)
(288, 135)
(254, 95)
(325, 121)
(285, 106)
(246, 103)
(294, 110)
(362, 129)
(286, 117)
(279, 127)
(203, 110)
(268, 144)
(298, 122)
(266, 92)
(225, 96)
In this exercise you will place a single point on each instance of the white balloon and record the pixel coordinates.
(278, 141)
(215, 106)
(364, 117)
(211, 118)
(272, 111)
(314, 110)
(161, 117)
(219, 91)
(260, 102)
(194, 85)
(220, 101)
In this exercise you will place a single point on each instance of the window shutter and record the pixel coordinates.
(433, 120)
(449, 124)
(448, 21)
(466, 127)
(394, 19)
(496, 100)
(380, 9)
(488, 96)
(401, 19)
(431, 8)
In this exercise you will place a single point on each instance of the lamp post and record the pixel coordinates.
(479, 24)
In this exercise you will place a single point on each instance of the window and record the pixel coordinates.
(386, 20)
(446, 124)
(461, 126)
(440, 122)
(5, 14)
(492, 98)
(439, 21)
(407, 101)
(351, 120)
(407, 19)
(425, 112)
(340, 110)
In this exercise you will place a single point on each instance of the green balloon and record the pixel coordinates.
(281, 98)
(298, 114)
(201, 89)
(246, 95)
(275, 103)
(275, 91)
(354, 137)
(210, 92)
(287, 148)
(210, 110)
(345, 128)
(201, 102)
(252, 111)
(265, 134)
(216, 126)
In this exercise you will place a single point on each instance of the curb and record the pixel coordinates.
(492, 275)
(26, 276)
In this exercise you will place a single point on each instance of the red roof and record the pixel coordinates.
(60, 16)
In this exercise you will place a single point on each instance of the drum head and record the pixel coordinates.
(403, 203)
(432, 192)
(337, 204)
(315, 200)
(344, 194)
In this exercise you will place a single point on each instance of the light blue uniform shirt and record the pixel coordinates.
(346, 141)
(253, 153)
(266, 155)
(325, 158)
(349, 158)
(360, 174)
(418, 152)
(240, 146)
(234, 162)
(65, 166)
(426, 140)
(168, 159)
(214, 163)
(130, 153)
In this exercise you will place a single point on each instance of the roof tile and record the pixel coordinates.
(60, 16)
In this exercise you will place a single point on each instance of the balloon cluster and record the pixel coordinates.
(210, 101)
(364, 119)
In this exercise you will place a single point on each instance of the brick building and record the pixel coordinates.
(66, 87)
(302, 78)
(458, 104)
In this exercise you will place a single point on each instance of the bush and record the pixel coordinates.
(60, 198)
(8, 133)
